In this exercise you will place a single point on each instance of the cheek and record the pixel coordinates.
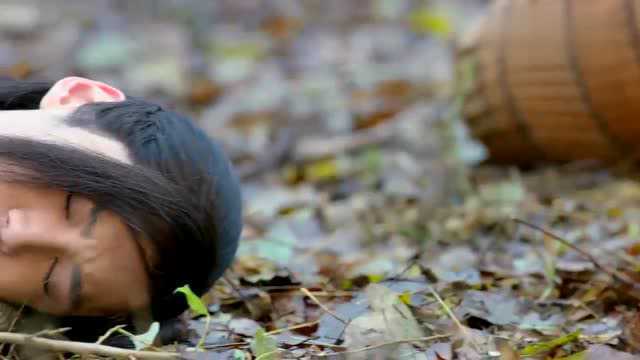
(119, 272)
(127, 267)
(21, 278)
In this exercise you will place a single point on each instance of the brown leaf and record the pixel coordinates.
(282, 27)
(507, 351)
(632, 329)
(20, 70)
(203, 92)
(601, 352)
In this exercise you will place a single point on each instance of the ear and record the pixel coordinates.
(76, 91)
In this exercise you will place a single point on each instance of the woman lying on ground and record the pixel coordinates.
(107, 205)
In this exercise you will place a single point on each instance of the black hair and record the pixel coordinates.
(181, 192)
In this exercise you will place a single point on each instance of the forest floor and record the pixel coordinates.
(373, 230)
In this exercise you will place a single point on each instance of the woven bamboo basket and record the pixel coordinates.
(555, 80)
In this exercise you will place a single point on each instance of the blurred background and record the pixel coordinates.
(341, 117)
(251, 72)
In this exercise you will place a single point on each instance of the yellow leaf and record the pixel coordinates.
(346, 284)
(615, 212)
(543, 347)
(405, 297)
(429, 21)
(323, 170)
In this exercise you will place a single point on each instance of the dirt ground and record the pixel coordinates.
(373, 228)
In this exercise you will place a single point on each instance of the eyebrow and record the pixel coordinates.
(87, 232)
(67, 205)
(75, 290)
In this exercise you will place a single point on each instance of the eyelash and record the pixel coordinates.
(45, 281)
(67, 206)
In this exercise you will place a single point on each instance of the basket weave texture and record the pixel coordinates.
(555, 80)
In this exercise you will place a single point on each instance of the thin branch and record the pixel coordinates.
(284, 288)
(109, 333)
(221, 346)
(12, 327)
(395, 342)
(15, 320)
(50, 332)
(82, 348)
(453, 317)
(616, 275)
(326, 309)
(413, 261)
(294, 327)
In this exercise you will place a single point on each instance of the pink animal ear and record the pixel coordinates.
(76, 91)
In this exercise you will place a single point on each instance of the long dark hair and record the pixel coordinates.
(180, 192)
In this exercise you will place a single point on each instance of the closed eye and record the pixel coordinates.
(67, 206)
(47, 276)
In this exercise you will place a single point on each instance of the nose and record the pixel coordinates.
(21, 229)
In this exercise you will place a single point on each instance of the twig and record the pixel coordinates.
(453, 317)
(15, 320)
(50, 332)
(285, 288)
(11, 328)
(277, 331)
(81, 348)
(220, 346)
(339, 339)
(109, 333)
(413, 261)
(40, 334)
(311, 341)
(616, 275)
(337, 293)
(395, 342)
(315, 300)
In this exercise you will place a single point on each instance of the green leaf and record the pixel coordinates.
(145, 340)
(195, 303)
(264, 346)
(543, 347)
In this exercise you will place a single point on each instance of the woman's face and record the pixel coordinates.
(59, 253)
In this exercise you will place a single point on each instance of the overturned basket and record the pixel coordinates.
(555, 80)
